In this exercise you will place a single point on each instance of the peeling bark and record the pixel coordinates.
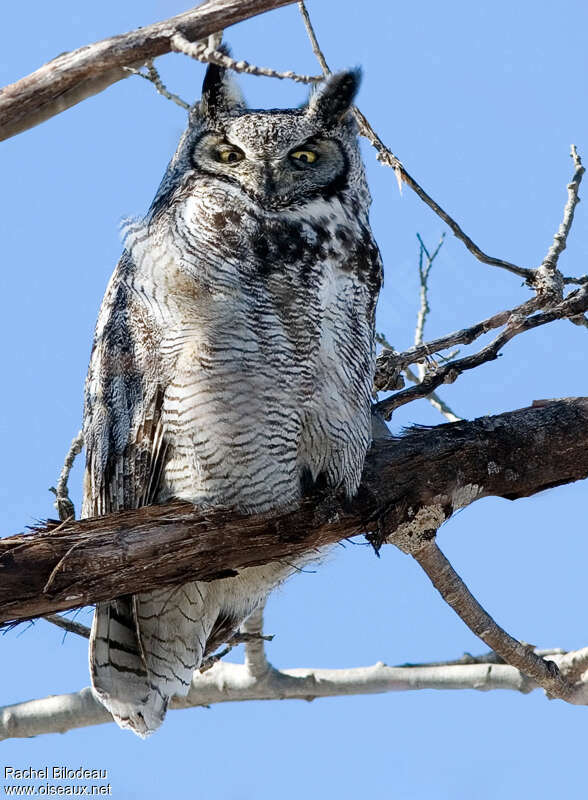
(429, 471)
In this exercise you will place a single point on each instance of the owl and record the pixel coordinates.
(232, 363)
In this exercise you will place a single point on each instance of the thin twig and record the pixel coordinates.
(385, 156)
(154, 77)
(202, 52)
(239, 637)
(437, 402)
(63, 503)
(424, 308)
(242, 637)
(489, 657)
(214, 658)
(388, 377)
(424, 271)
(316, 49)
(580, 281)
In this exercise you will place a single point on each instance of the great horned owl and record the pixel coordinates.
(232, 363)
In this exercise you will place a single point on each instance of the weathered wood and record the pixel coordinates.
(72, 77)
(510, 455)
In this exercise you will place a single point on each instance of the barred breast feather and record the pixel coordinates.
(232, 363)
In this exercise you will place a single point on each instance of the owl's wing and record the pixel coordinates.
(123, 433)
(125, 454)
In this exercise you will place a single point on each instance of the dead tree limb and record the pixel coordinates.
(574, 305)
(75, 76)
(457, 595)
(438, 470)
(226, 682)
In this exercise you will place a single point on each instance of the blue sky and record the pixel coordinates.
(481, 102)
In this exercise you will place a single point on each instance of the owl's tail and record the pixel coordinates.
(144, 649)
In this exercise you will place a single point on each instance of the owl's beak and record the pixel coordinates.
(268, 181)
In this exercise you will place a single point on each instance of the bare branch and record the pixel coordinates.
(388, 376)
(69, 625)
(234, 683)
(385, 156)
(75, 76)
(320, 56)
(454, 591)
(424, 309)
(576, 303)
(163, 545)
(549, 281)
(155, 78)
(201, 51)
(437, 402)
(63, 503)
(424, 272)
(390, 362)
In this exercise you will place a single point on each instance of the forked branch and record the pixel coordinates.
(575, 304)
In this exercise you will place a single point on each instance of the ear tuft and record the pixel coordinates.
(220, 93)
(335, 97)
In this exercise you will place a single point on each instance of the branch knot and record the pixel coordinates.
(419, 531)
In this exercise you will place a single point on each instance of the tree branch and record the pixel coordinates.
(389, 362)
(68, 625)
(75, 76)
(227, 682)
(456, 594)
(255, 657)
(63, 504)
(424, 272)
(201, 51)
(154, 77)
(437, 470)
(549, 281)
(575, 304)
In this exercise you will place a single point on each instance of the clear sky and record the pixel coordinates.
(481, 102)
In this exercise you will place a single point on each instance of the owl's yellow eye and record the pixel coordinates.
(304, 156)
(229, 155)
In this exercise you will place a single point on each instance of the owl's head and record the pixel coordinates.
(278, 158)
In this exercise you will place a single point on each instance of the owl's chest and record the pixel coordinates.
(263, 292)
